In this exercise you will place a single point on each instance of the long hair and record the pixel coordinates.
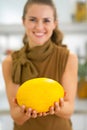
(57, 36)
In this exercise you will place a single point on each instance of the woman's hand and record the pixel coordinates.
(55, 109)
(20, 114)
(58, 105)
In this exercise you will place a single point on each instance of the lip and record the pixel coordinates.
(39, 34)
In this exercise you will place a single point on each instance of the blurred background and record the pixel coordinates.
(72, 18)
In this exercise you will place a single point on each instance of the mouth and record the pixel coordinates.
(39, 34)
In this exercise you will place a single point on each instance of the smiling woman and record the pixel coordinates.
(39, 25)
(42, 55)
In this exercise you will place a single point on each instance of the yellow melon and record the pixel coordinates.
(39, 93)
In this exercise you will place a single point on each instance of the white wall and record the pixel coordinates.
(11, 10)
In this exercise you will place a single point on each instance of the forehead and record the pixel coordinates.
(39, 10)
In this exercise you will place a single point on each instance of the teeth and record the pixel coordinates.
(39, 34)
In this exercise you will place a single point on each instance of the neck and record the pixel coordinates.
(32, 45)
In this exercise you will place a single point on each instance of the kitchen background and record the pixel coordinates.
(72, 18)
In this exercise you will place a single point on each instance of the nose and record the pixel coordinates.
(39, 25)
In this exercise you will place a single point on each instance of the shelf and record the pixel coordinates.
(64, 27)
(73, 28)
(11, 29)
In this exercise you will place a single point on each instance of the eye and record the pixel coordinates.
(32, 19)
(46, 20)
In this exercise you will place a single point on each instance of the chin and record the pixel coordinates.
(39, 43)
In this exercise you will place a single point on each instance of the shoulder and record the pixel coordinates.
(7, 62)
(72, 59)
(71, 70)
(6, 68)
(72, 62)
(8, 59)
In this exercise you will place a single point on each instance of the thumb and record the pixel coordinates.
(65, 96)
(14, 101)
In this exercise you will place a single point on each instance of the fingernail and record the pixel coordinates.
(65, 93)
(61, 99)
(56, 103)
(30, 109)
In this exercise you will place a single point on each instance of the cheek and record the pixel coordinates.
(29, 26)
(51, 27)
(29, 30)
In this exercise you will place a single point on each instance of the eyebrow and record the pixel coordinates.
(43, 18)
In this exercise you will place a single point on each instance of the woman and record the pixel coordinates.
(43, 55)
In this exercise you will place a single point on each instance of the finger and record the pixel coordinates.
(39, 114)
(28, 112)
(61, 102)
(45, 113)
(65, 93)
(56, 106)
(27, 115)
(23, 109)
(14, 101)
(51, 110)
(65, 96)
(34, 114)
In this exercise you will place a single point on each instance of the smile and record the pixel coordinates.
(39, 34)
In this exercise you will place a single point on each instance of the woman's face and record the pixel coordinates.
(39, 24)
